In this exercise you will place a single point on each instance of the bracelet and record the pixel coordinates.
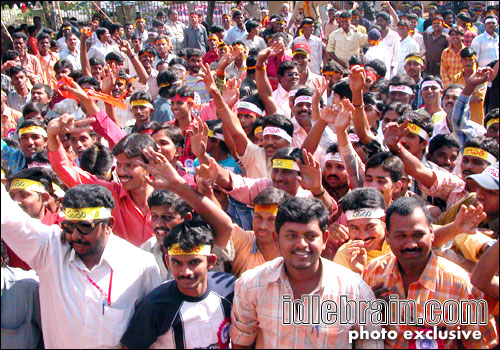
(260, 68)
(319, 195)
(315, 109)
(359, 106)
(131, 57)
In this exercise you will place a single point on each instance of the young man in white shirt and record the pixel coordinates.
(407, 45)
(316, 45)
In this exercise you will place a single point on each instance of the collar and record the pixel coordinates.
(278, 273)
(428, 277)
(282, 92)
(489, 37)
(107, 255)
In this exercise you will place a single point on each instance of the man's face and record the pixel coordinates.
(445, 157)
(19, 80)
(247, 121)
(33, 115)
(413, 69)
(279, 27)
(490, 201)
(490, 27)
(286, 180)
(331, 15)
(147, 61)
(413, 24)
(449, 99)
(437, 26)
(119, 87)
(410, 239)
(190, 272)
(302, 113)
(44, 46)
(130, 174)
(30, 201)
(449, 19)
(80, 141)
(71, 42)
(390, 116)
(163, 219)
(301, 244)
(95, 25)
(335, 174)
(239, 20)
(468, 63)
(273, 143)
(194, 64)
(472, 165)
(289, 78)
(400, 96)
(137, 44)
(32, 143)
(302, 60)
(382, 23)
(174, 15)
(193, 20)
(166, 145)
(345, 24)
(456, 38)
(403, 31)
(162, 47)
(129, 30)
(355, 20)
(97, 71)
(105, 37)
(180, 109)
(308, 30)
(39, 95)
(87, 245)
(263, 226)
(370, 231)
(431, 94)
(140, 25)
(212, 44)
(493, 131)
(380, 180)
(37, 21)
(141, 114)
(414, 144)
(20, 45)
(59, 73)
(226, 21)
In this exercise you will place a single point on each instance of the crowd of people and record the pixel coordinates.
(180, 185)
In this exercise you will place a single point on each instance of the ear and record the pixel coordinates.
(398, 185)
(111, 222)
(212, 259)
(189, 216)
(45, 197)
(275, 238)
(326, 234)
(166, 260)
(178, 151)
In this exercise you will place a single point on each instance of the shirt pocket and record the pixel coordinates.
(113, 325)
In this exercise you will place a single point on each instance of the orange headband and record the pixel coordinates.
(271, 208)
(161, 41)
(187, 99)
(146, 53)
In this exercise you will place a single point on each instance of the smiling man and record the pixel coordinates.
(89, 284)
(259, 308)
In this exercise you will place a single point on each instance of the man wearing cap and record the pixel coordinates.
(89, 284)
(302, 55)
(377, 50)
(344, 41)
(487, 195)
(435, 43)
(486, 44)
(315, 45)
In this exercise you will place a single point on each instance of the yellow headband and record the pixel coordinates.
(84, 214)
(417, 130)
(415, 58)
(141, 103)
(201, 249)
(271, 208)
(28, 185)
(33, 130)
(491, 122)
(58, 191)
(140, 19)
(480, 153)
(285, 164)
(124, 81)
(67, 27)
(257, 130)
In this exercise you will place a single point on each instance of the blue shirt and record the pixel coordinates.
(196, 38)
(234, 34)
(163, 112)
(15, 158)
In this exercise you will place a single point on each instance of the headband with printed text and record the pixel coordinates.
(215, 135)
(257, 130)
(33, 130)
(28, 185)
(417, 130)
(271, 208)
(201, 249)
(365, 213)
(402, 88)
(251, 108)
(285, 164)
(144, 103)
(430, 83)
(273, 130)
(84, 214)
(480, 153)
(303, 98)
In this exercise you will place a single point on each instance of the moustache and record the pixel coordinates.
(333, 177)
(189, 278)
(412, 250)
(161, 229)
(78, 242)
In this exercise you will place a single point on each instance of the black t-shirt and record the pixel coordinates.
(168, 319)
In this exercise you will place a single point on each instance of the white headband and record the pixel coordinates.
(365, 213)
(272, 130)
(333, 156)
(250, 106)
(303, 98)
(403, 88)
(490, 20)
(430, 83)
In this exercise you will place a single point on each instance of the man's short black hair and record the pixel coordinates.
(389, 163)
(302, 210)
(405, 206)
(442, 140)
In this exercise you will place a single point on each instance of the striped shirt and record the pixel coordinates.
(198, 87)
(441, 280)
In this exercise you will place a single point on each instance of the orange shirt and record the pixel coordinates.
(247, 255)
(48, 73)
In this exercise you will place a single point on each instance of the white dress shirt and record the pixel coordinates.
(100, 50)
(73, 58)
(406, 46)
(392, 41)
(316, 46)
(73, 311)
(282, 99)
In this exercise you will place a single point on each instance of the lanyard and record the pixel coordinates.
(108, 295)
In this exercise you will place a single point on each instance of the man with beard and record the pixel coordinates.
(409, 272)
(89, 284)
(195, 62)
(141, 105)
(335, 176)
(264, 295)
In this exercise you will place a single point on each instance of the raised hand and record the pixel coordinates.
(206, 175)
(110, 73)
(198, 131)
(338, 235)
(161, 173)
(319, 90)
(231, 91)
(469, 218)
(66, 124)
(310, 173)
(124, 45)
(393, 132)
(479, 77)
(357, 256)
(225, 61)
(357, 78)
(206, 77)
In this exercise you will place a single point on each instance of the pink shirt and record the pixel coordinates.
(130, 223)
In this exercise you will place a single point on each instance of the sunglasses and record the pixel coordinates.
(85, 228)
(292, 75)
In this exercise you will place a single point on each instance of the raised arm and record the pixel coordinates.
(357, 78)
(262, 81)
(164, 176)
(484, 273)
(84, 58)
(139, 68)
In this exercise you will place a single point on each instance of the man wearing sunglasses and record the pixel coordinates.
(89, 283)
